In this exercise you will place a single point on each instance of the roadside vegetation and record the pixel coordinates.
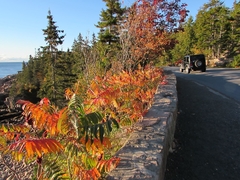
(235, 63)
(79, 106)
(213, 32)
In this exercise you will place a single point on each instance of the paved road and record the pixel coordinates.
(222, 80)
(207, 136)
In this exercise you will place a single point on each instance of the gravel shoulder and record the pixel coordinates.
(207, 136)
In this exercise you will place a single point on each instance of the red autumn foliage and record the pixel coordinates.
(149, 25)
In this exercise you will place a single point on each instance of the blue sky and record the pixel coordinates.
(22, 21)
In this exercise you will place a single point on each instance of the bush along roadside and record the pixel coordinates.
(235, 63)
(80, 140)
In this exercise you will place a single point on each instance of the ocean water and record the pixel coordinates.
(9, 68)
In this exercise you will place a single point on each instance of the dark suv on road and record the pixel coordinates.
(193, 63)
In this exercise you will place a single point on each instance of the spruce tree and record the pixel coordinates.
(234, 29)
(77, 50)
(86, 56)
(109, 21)
(53, 39)
(65, 75)
(185, 41)
(211, 28)
(28, 81)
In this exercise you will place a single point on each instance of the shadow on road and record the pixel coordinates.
(207, 136)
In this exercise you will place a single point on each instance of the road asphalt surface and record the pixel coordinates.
(207, 136)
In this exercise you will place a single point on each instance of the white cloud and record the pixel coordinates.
(2, 57)
(12, 59)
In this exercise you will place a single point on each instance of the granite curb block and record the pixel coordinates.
(145, 154)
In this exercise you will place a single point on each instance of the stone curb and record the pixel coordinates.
(145, 154)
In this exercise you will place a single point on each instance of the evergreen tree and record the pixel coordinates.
(53, 39)
(211, 28)
(86, 55)
(28, 81)
(77, 49)
(110, 21)
(234, 29)
(65, 75)
(185, 41)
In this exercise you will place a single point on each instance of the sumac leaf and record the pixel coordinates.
(91, 134)
(86, 138)
(109, 127)
(95, 131)
(115, 123)
(101, 132)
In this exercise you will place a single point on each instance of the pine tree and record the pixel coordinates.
(109, 22)
(53, 39)
(185, 41)
(65, 75)
(77, 50)
(234, 29)
(28, 81)
(211, 28)
(86, 55)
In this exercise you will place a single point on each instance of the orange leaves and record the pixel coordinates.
(85, 128)
(36, 147)
(41, 146)
(108, 165)
(41, 115)
(103, 166)
(125, 94)
(11, 133)
(99, 94)
(68, 93)
(81, 173)
(96, 147)
(44, 101)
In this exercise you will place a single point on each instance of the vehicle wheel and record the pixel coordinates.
(204, 70)
(198, 63)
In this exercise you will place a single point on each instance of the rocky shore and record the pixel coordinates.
(8, 112)
(9, 168)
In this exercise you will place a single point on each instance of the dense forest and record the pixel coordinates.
(214, 32)
(129, 37)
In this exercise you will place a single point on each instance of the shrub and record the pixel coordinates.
(77, 141)
(236, 62)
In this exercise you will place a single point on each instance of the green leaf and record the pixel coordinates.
(69, 147)
(86, 138)
(91, 134)
(109, 127)
(95, 131)
(115, 123)
(101, 132)
(94, 117)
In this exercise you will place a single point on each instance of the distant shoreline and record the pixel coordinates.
(7, 76)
